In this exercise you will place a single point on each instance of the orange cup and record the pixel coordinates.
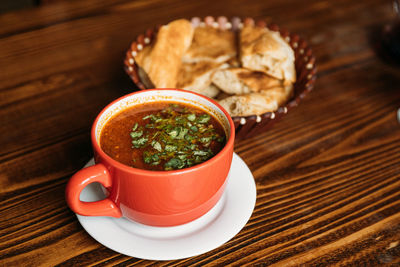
(157, 198)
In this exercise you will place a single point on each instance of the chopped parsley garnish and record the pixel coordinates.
(176, 137)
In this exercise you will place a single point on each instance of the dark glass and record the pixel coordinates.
(391, 36)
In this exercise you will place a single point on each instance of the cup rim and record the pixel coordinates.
(126, 168)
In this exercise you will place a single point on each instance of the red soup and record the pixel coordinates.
(162, 136)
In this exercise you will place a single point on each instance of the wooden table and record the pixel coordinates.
(327, 175)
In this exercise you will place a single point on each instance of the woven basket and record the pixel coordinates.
(245, 126)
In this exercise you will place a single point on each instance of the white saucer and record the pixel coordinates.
(210, 231)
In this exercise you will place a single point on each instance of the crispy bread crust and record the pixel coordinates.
(257, 103)
(163, 60)
(266, 51)
(211, 44)
(241, 80)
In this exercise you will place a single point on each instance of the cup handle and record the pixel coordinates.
(84, 177)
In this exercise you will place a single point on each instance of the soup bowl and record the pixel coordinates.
(156, 198)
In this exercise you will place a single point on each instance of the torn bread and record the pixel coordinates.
(162, 60)
(257, 103)
(243, 81)
(196, 77)
(211, 44)
(234, 62)
(210, 91)
(266, 51)
(144, 78)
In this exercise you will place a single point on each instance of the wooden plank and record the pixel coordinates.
(327, 175)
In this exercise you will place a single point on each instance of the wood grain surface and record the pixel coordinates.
(327, 175)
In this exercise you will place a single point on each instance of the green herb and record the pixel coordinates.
(135, 127)
(136, 134)
(200, 153)
(207, 144)
(205, 139)
(147, 117)
(189, 162)
(204, 118)
(174, 133)
(155, 157)
(173, 163)
(140, 142)
(147, 159)
(157, 146)
(170, 148)
(191, 117)
(194, 128)
(202, 129)
(158, 119)
(189, 137)
(182, 157)
(180, 120)
(182, 133)
(192, 146)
